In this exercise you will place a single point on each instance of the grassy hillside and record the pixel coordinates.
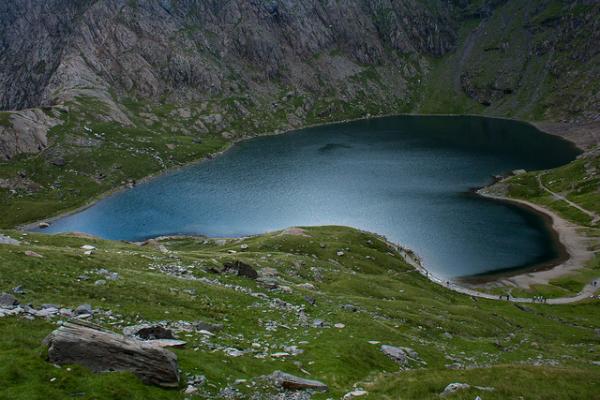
(457, 338)
(535, 60)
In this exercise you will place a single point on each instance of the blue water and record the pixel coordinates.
(407, 178)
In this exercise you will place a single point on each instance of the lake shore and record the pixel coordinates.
(575, 254)
(571, 133)
(572, 252)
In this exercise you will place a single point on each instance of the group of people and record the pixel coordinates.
(539, 299)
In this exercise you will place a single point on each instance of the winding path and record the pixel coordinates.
(595, 217)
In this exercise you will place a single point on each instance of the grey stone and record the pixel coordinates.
(240, 269)
(453, 388)
(149, 332)
(8, 240)
(401, 355)
(8, 301)
(84, 309)
(291, 382)
(103, 351)
(349, 307)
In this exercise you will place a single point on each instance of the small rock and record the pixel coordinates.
(349, 307)
(18, 290)
(340, 326)
(340, 253)
(293, 350)
(307, 286)
(30, 253)
(84, 309)
(148, 332)
(233, 352)
(240, 269)
(268, 272)
(205, 326)
(244, 247)
(318, 323)
(310, 300)
(88, 247)
(454, 387)
(190, 390)
(355, 393)
(100, 282)
(399, 354)
(8, 240)
(43, 225)
(8, 301)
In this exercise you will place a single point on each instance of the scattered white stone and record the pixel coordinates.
(8, 240)
(355, 393)
(307, 286)
(88, 247)
(244, 247)
(340, 253)
(232, 352)
(454, 387)
(190, 390)
(340, 326)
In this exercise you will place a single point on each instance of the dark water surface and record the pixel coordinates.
(407, 178)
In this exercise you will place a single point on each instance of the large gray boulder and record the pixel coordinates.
(103, 351)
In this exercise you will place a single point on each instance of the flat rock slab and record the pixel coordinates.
(291, 382)
(103, 351)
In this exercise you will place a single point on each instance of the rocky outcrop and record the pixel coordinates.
(181, 52)
(102, 351)
(327, 57)
(25, 131)
(240, 268)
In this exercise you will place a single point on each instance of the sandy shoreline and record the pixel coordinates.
(575, 243)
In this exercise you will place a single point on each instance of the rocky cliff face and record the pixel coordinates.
(185, 51)
(245, 67)
(188, 50)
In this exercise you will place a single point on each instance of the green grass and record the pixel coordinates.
(396, 305)
(5, 119)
